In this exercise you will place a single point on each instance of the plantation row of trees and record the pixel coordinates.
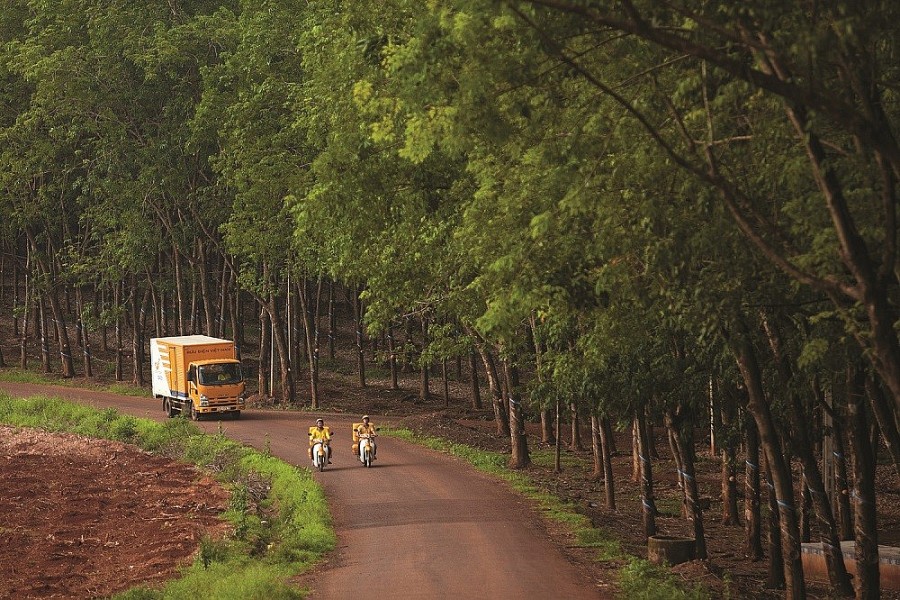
(641, 210)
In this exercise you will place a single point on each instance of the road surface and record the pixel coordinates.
(418, 524)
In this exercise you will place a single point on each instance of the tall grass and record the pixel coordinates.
(281, 523)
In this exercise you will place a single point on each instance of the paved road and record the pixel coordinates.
(418, 524)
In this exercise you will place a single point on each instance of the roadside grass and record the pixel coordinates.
(638, 578)
(279, 515)
(16, 375)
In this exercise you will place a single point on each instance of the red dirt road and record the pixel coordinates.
(418, 524)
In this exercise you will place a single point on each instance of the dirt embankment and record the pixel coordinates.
(88, 518)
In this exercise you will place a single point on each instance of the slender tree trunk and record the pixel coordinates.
(684, 446)
(576, 444)
(179, 290)
(608, 479)
(842, 479)
(752, 506)
(635, 453)
(312, 352)
(727, 438)
(264, 348)
(45, 342)
(332, 328)
(597, 472)
(501, 416)
(476, 388)
(424, 384)
(758, 407)
(392, 358)
(85, 340)
(679, 471)
(803, 446)
(865, 522)
(648, 502)
(360, 352)
(777, 569)
(288, 394)
(118, 292)
(557, 445)
(519, 458)
(888, 421)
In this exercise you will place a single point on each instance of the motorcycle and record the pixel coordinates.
(366, 448)
(320, 455)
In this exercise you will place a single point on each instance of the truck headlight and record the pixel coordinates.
(204, 401)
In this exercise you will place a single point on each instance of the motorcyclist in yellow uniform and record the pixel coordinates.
(366, 427)
(320, 433)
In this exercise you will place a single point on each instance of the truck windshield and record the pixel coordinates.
(221, 374)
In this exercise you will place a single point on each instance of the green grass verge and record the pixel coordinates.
(280, 518)
(15, 375)
(637, 579)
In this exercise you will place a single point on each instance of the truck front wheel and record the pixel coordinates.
(195, 416)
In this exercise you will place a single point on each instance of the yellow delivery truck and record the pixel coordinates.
(196, 375)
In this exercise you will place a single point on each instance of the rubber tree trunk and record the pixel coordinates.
(476, 388)
(265, 347)
(776, 573)
(519, 458)
(803, 446)
(392, 358)
(360, 350)
(842, 479)
(752, 507)
(758, 407)
(888, 421)
(865, 521)
(501, 418)
(309, 336)
(596, 454)
(288, 393)
(648, 502)
(606, 449)
(728, 447)
(682, 429)
(424, 378)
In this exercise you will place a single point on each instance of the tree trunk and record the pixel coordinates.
(118, 292)
(608, 479)
(312, 351)
(777, 567)
(803, 446)
(519, 458)
(446, 382)
(758, 407)
(45, 342)
(476, 388)
(501, 418)
(684, 445)
(727, 444)
(264, 348)
(648, 502)
(424, 384)
(332, 328)
(752, 507)
(360, 353)
(888, 421)
(288, 393)
(842, 479)
(392, 358)
(85, 339)
(866, 529)
(597, 472)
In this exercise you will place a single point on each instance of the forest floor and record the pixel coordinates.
(64, 483)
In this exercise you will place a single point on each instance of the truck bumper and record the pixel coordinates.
(205, 410)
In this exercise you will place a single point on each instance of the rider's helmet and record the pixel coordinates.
(320, 422)
(365, 417)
